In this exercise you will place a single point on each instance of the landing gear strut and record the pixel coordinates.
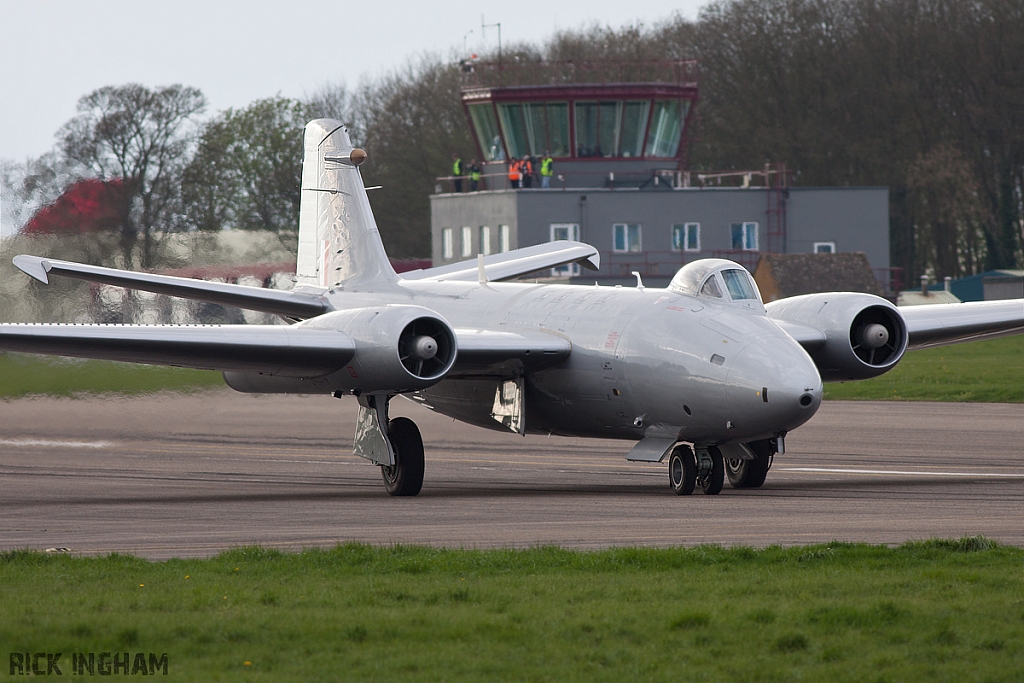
(405, 477)
(710, 470)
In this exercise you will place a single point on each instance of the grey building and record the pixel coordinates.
(654, 232)
(620, 183)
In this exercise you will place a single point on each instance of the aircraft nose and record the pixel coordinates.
(779, 381)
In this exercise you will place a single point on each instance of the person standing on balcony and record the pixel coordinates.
(514, 173)
(474, 176)
(528, 171)
(457, 171)
(546, 170)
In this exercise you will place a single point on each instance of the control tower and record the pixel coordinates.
(622, 181)
(620, 135)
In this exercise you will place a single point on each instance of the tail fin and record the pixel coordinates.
(339, 245)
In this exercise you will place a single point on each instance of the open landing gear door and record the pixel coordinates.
(371, 438)
(508, 405)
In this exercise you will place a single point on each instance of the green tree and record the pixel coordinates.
(142, 136)
(247, 168)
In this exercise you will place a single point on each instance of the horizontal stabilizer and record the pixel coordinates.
(284, 350)
(298, 305)
(513, 264)
(941, 324)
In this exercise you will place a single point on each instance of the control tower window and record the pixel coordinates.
(558, 129)
(597, 128)
(532, 128)
(634, 121)
(486, 128)
(666, 128)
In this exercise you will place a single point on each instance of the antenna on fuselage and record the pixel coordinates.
(639, 281)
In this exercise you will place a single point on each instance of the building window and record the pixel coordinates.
(744, 236)
(626, 237)
(559, 233)
(504, 243)
(485, 241)
(824, 247)
(467, 242)
(447, 251)
(686, 237)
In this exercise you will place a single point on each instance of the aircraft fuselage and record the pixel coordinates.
(644, 362)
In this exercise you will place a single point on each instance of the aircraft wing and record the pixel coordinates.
(513, 264)
(490, 353)
(285, 350)
(298, 305)
(808, 336)
(943, 324)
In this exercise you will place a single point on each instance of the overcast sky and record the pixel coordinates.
(54, 51)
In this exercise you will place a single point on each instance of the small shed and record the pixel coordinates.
(782, 275)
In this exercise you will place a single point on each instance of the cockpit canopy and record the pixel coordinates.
(716, 278)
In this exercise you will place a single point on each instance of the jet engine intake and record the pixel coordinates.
(865, 335)
(398, 349)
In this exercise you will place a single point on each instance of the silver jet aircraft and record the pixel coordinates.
(700, 372)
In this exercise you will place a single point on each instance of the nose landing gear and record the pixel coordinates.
(686, 471)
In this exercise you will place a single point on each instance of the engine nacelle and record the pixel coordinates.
(865, 335)
(398, 349)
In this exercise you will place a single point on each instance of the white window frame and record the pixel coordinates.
(685, 242)
(572, 231)
(504, 239)
(447, 252)
(831, 247)
(625, 227)
(484, 243)
(467, 242)
(748, 229)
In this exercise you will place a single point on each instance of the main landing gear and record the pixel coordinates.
(685, 470)
(395, 445)
(405, 477)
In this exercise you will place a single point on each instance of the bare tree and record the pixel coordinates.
(143, 137)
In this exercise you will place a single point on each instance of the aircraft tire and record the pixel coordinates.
(750, 474)
(713, 482)
(405, 477)
(682, 471)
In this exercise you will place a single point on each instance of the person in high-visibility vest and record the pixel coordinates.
(474, 176)
(514, 173)
(457, 172)
(546, 170)
(527, 166)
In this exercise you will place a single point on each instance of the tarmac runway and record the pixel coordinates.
(190, 475)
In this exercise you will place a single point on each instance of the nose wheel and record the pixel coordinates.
(711, 471)
(750, 474)
(682, 471)
(685, 470)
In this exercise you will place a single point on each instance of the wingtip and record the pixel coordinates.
(592, 261)
(33, 266)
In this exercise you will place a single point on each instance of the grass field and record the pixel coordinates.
(931, 611)
(985, 372)
(23, 374)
